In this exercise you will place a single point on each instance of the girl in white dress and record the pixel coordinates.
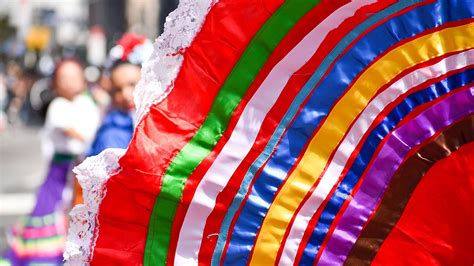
(71, 122)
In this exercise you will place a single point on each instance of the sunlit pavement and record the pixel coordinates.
(22, 169)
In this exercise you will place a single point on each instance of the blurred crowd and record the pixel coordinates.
(37, 34)
(25, 93)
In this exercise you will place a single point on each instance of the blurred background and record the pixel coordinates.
(34, 35)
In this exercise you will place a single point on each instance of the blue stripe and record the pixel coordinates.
(363, 159)
(354, 62)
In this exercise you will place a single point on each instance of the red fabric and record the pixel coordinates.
(436, 227)
(125, 211)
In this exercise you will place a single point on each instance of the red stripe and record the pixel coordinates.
(166, 129)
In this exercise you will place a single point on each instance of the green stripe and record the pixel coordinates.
(229, 96)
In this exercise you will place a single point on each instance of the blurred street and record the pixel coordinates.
(22, 169)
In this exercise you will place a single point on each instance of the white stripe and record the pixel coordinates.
(353, 138)
(245, 132)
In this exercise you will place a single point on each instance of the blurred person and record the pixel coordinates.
(71, 121)
(117, 126)
(20, 82)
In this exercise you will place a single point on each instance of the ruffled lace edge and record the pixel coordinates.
(92, 175)
(161, 69)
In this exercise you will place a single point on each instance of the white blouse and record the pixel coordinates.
(81, 114)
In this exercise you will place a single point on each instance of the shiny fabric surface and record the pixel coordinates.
(403, 185)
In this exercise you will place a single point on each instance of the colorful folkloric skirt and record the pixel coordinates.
(39, 238)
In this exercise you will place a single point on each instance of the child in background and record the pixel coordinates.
(117, 127)
(71, 122)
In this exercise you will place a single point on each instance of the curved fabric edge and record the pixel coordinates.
(397, 196)
(157, 76)
(92, 175)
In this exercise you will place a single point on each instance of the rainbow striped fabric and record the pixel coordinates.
(304, 132)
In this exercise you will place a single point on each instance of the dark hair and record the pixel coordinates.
(118, 63)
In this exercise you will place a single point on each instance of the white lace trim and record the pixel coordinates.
(161, 69)
(158, 75)
(92, 175)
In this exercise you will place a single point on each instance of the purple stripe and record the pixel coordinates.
(384, 166)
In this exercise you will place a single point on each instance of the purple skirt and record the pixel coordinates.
(39, 238)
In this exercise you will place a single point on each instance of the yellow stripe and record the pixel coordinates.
(337, 123)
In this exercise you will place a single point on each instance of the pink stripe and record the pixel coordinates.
(44, 232)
